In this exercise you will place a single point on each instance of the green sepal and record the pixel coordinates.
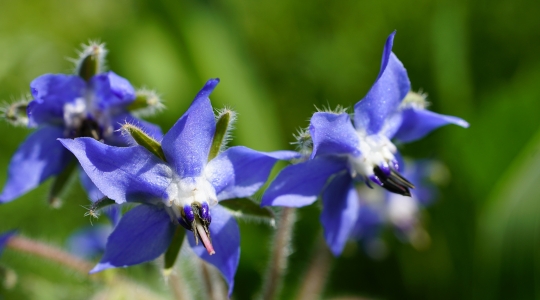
(15, 113)
(146, 103)
(220, 136)
(174, 248)
(91, 60)
(102, 203)
(249, 209)
(143, 139)
(60, 183)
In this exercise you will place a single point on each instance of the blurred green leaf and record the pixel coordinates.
(509, 228)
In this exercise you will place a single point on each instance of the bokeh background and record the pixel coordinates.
(276, 59)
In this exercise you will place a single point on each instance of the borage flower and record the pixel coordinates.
(91, 104)
(180, 183)
(347, 154)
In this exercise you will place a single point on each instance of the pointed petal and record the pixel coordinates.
(111, 90)
(4, 238)
(419, 122)
(225, 236)
(117, 139)
(300, 185)
(122, 174)
(187, 144)
(38, 157)
(333, 134)
(240, 172)
(50, 93)
(143, 234)
(386, 94)
(340, 211)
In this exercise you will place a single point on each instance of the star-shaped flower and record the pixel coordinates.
(348, 153)
(181, 188)
(69, 106)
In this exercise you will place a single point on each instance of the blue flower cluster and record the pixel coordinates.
(180, 178)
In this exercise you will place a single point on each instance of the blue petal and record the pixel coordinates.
(283, 154)
(90, 241)
(91, 189)
(340, 211)
(240, 171)
(50, 93)
(386, 94)
(39, 157)
(368, 224)
(118, 139)
(300, 184)
(226, 241)
(4, 238)
(419, 122)
(143, 234)
(123, 174)
(187, 144)
(113, 212)
(333, 134)
(111, 90)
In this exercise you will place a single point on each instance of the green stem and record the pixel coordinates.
(315, 278)
(280, 253)
(49, 252)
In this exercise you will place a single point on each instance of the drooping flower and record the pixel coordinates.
(345, 154)
(92, 104)
(379, 209)
(180, 186)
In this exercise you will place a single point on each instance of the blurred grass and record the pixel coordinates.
(277, 59)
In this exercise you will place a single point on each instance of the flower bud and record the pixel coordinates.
(15, 113)
(225, 121)
(91, 60)
(146, 103)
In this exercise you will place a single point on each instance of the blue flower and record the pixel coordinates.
(4, 238)
(347, 154)
(183, 190)
(68, 106)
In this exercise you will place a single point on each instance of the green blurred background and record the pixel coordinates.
(276, 59)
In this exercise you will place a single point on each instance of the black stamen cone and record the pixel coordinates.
(90, 128)
(394, 183)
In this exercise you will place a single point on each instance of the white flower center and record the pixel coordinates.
(74, 113)
(376, 150)
(186, 191)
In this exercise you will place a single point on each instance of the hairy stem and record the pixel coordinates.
(178, 287)
(49, 252)
(280, 254)
(315, 278)
(214, 286)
